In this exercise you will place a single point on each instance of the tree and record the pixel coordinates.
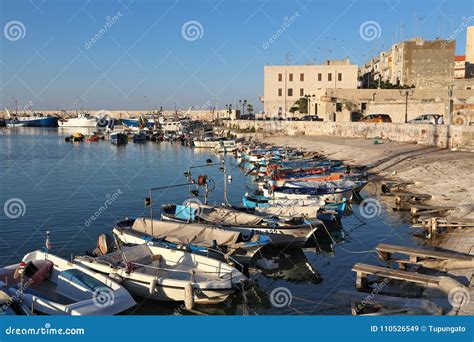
(250, 109)
(301, 105)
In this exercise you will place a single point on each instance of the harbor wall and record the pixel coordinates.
(434, 135)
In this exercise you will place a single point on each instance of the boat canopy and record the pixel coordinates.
(188, 233)
(229, 217)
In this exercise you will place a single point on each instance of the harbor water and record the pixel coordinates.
(77, 191)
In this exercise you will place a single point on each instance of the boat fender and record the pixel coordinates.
(19, 270)
(189, 296)
(153, 286)
(202, 179)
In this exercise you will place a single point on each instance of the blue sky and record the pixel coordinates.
(144, 60)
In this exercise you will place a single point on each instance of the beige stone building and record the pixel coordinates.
(459, 67)
(415, 62)
(470, 45)
(284, 85)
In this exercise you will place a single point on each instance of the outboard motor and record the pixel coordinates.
(105, 244)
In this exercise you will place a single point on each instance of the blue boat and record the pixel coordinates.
(118, 138)
(35, 120)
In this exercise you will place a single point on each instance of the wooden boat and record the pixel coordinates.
(356, 186)
(51, 285)
(321, 193)
(204, 239)
(166, 274)
(294, 232)
(285, 207)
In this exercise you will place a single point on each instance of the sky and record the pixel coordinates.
(144, 54)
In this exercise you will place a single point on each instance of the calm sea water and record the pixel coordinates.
(49, 184)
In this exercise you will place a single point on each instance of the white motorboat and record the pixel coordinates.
(166, 274)
(206, 143)
(225, 146)
(82, 120)
(54, 286)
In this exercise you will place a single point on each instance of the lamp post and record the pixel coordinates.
(406, 93)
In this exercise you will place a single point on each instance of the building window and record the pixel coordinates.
(301, 92)
(301, 77)
(280, 77)
(338, 107)
(290, 76)
(339, 76)
(320, 77)
(280, 92)
(329, 77)
(290, 91)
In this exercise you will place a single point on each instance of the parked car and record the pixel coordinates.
(292, 118)
(311, 118)
(376, 118)
(434, 119)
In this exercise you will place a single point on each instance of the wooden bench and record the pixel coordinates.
(432, 225)
(419, 256)
(410, 197)
(364, 270)
(423, 209)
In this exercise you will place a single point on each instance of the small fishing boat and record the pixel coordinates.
(139, 137)
(320, 193)
(206, 143)
(356, 185)
(226, 146)
(75, 137)
(241, 246)
(51, 285)
(165, 274)
(141, 122)
(293, 232)
(118, 138)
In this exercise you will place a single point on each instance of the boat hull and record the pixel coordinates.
(40, 122)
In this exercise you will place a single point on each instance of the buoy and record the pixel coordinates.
(152, 286)
(189, 296)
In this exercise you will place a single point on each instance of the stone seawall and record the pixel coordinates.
(434, 135)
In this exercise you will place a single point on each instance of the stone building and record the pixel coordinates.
(284, 85)
(415, 62)
(459, 67)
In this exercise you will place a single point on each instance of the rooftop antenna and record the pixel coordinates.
(287, 58)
